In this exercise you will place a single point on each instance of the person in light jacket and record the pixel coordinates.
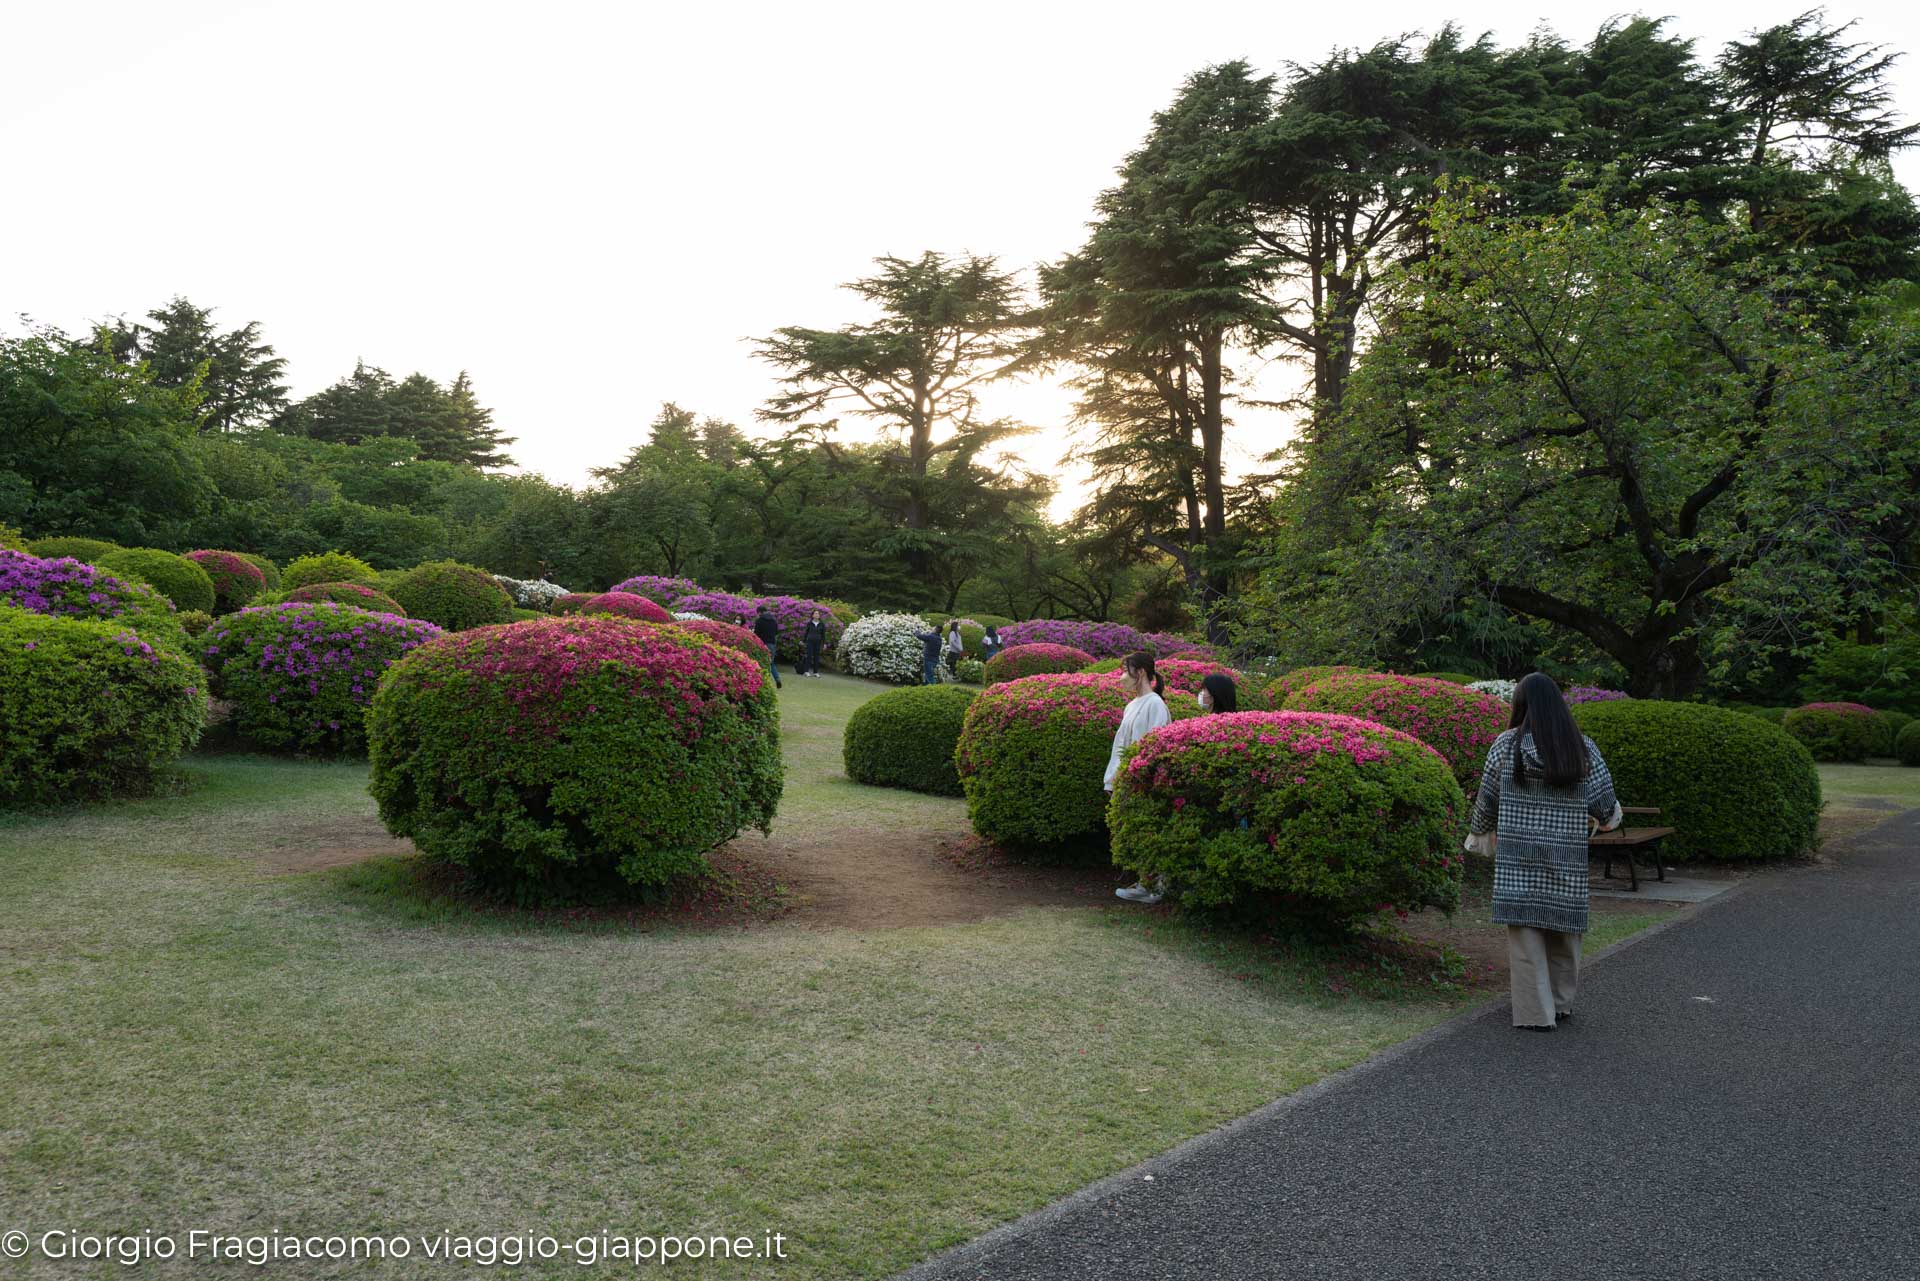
(1544, 791)
(811, 639)
(956, 646)
(1146, 712)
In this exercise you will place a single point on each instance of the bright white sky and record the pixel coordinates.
(592, 207)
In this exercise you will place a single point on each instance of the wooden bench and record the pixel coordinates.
(1627, 839)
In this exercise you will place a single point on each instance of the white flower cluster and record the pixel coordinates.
(531, 593)
(688, 615)
(1499, 689)
(884, 647)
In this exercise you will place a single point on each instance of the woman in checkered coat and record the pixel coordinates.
(1544, 791)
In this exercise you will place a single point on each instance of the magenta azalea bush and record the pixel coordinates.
(358, 595)
(89, 708)
(1034, 658)
(236, 581)
(1594, 694)
(658, 588)
(301, 675)
(726, 634)
(1101, 640)
(626, 605)
(1033, 754)
(1167, 645)
(1298, 813)
(790, 613)
(559, 755)
(1453, 720)
(66, 588)
(1833, 731)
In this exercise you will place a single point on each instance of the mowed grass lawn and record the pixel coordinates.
(193, 1039)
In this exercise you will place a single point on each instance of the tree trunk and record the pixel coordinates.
(1213, 484)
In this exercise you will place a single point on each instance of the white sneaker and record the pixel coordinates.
(1139, 894)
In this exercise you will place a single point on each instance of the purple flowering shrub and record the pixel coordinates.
(726, 634)
(1295, 813)
(66, 588)
(790, 613)
(89, 708)
(626, 605)
(301, 674)
(566, 754)
(1034, 658)
(1101, 640)
(1033, 754)
(659, 588)
(1594, 694)
(1167, 645)
(1833, 731)
(1454, 721)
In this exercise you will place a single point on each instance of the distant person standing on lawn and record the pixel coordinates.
(769, 633)
(1544, 791)
(990, 644)
(1146, 713)
(930, 642)
(811, 640)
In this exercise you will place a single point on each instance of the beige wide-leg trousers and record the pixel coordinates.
(1546, 971)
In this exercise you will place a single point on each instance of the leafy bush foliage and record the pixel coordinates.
(626, 605)
(1100, 640)
(178, 579)
(658, 588)
(1735, 787)
(66, 588)
(970, 671)
(571, 602)
(327, 567)
(725, 634)
(452, 596)
(1906, 748)
(848, 614)
(86, 550)
(1456, 678)
(300, 675)
(236, 580)
(1886, 731)
(552, 756)
(1833, 731)
(905, 738)
(883, 647)
(89, 708)
(268, 570)
(1886, 676)
(1302, 813)
(531, 593)
(194, 622)
(1282, 688)
(1033, 755)
(11, 539)
(1455, 721)
(1036, 658)
(358, 595)
(790, 614)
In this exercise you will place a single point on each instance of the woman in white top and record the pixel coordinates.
(956, 646)
(1145, 714)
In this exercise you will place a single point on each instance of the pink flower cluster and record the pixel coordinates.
(1034, 658)
(790, 614)
(1841, 709)
(235, 581)
(726, 634)
(626, 605)
(1083, 698)
(1101, 640)
(1305, 734)
(1457, 722)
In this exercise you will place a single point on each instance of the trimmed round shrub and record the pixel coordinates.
(268, 570)
(1297, 813)
(1455, 678)
(358, 595)
(1036, 659)
(178, 579)
(790, 614)
(326, 567)
(658, 588)
(89, 708)
(905, 738)
(571, 602)
(1734, 787)
(86, 550)
(1281, 688)
(1454, 721)
(726, 634)
(1906, 748)
(300, 675)
(553, 756)
(1886, 731)
(11, 539)
(883, 647)
(1032, 757)
(1100, 640)
(626, 605)
(236, 580)
(1833, 731)
(970, 671)
(452, 596)
(194, 622)
(66, 588)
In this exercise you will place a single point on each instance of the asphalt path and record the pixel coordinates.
(1737, 1096)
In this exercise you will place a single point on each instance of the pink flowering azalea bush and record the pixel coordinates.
(1101, 640)
(726, 634)
(658, 588)
(66, 588)
(626, 605)
(236, 581)
(300, 675)
(1291, 813)
(558, 756)
(89, 708)
(790, 614)
(1833, 731)
(1034, 658)
(1451, 719)
(1033, 753)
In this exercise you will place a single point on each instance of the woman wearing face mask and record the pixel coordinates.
(1146, 713)
(1219, 695)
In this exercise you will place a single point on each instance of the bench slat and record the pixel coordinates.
(1631, 836)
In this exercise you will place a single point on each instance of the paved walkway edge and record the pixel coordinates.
(1038, 1220)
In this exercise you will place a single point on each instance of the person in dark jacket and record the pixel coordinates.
(769, 633)
(811, 640)
(930, 643)
(990, 644)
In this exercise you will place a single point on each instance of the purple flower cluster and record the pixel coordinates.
(1102, 640)
(1594, 694)
(658, 588)
(70, 589)
(790, 613)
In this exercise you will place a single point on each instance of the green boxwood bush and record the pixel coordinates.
(358, 595)
(1906, 748)
(178, 579)
(1886, 731)
(1033, 753)
(1281, 688)
(1457, 722)
(1735, 787)
(1833, 731)
(453, 596)
(326, 567)
(1037, 659)
(970, 671)
(1295, 813)
(86, 550)
(300, 675)
(555, 756)
(268, 570)
(905, 738)
(89, 708)
(236, 580)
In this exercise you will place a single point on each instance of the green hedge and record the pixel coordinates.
(89, 550)
(1906, 748)
(451, 595)
(1735, 787)
(178, 579)
(1454, 678)
(1886, 731)
(326, 567)
(905, 738)
(268, 570)
(1833, 731)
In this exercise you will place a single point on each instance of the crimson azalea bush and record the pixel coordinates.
(178, 579)
(1034, 659)
(1281, 688)
(790, 614)
(1458, 723)
(89, 708)
(358, 595)
(1833, 731)
(300, 675)
(1298, 813)
(236, 580)
(661, 589)
(1100, 640)
(726, 634)
(452, 596)
(65, 588)
(554, 756)
(626, 605)
(1032, 756)
(325, 567)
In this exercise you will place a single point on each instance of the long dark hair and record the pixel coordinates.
(1142, 662)
(1221, 689)
(1539, 710)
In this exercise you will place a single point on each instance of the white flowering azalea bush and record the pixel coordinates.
(884, 647)
(690, 616)
(1499, 689)
(531, 593)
